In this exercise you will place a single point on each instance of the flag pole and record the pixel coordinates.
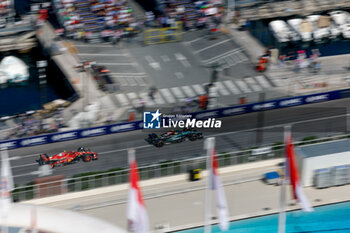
(209, 146)
(5, 172)
(131, 159)
(282, 212)
(33, 220)
(131, 156)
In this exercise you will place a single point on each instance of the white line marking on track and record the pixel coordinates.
(243, 86)
(148, 100)
(235, 58)
(232, 87)
(132, 96)
(118, 64)
(194, 40)
(177, 92)
(211, 46)
(165, 58)
(221, 89)
(262, 81)
(242, 56)
(221, 62)
(128, 74)
(141, 81)
(198, 89)
(167, 95)
(213, 91)
(252, 83)
(232, 58)
(185, 63)
(149, 59)
(125, 149)
(25, 174)
(103, 54)
(180, 56)
(229, 61)
(122, 99)
(155, 65)
(158, 98)
(179, 75)
(188, 91)
(122, 81)
(152, 63)
(24, 156)
(229, 53)
(24, 165)
(94, 46)
(131, 81)
(281, 82)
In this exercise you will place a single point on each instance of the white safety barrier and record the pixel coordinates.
(55, 220)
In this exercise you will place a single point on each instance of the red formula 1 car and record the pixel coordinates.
(65, 158)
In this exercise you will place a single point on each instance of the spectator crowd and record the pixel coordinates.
(31, 125)
(112, 20)
(95, 19)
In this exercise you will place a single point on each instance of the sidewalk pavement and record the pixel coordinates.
(174, 203)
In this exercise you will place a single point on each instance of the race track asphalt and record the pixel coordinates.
(239, 132)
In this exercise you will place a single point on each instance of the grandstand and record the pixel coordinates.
(192, 13)
(90, 19)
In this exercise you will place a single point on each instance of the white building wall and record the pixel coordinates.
(313, 163)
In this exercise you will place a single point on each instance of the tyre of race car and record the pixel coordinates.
(200, 136)
(193, 137)
(87, 158)
(160, 144)
(180, 140)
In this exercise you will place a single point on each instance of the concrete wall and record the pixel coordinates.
(309, 165)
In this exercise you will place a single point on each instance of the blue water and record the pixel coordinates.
(330, 219)
(17, 99)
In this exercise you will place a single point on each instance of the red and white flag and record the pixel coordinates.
(293, 174)
(221, 204)
(136, 209)
(6, 183)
